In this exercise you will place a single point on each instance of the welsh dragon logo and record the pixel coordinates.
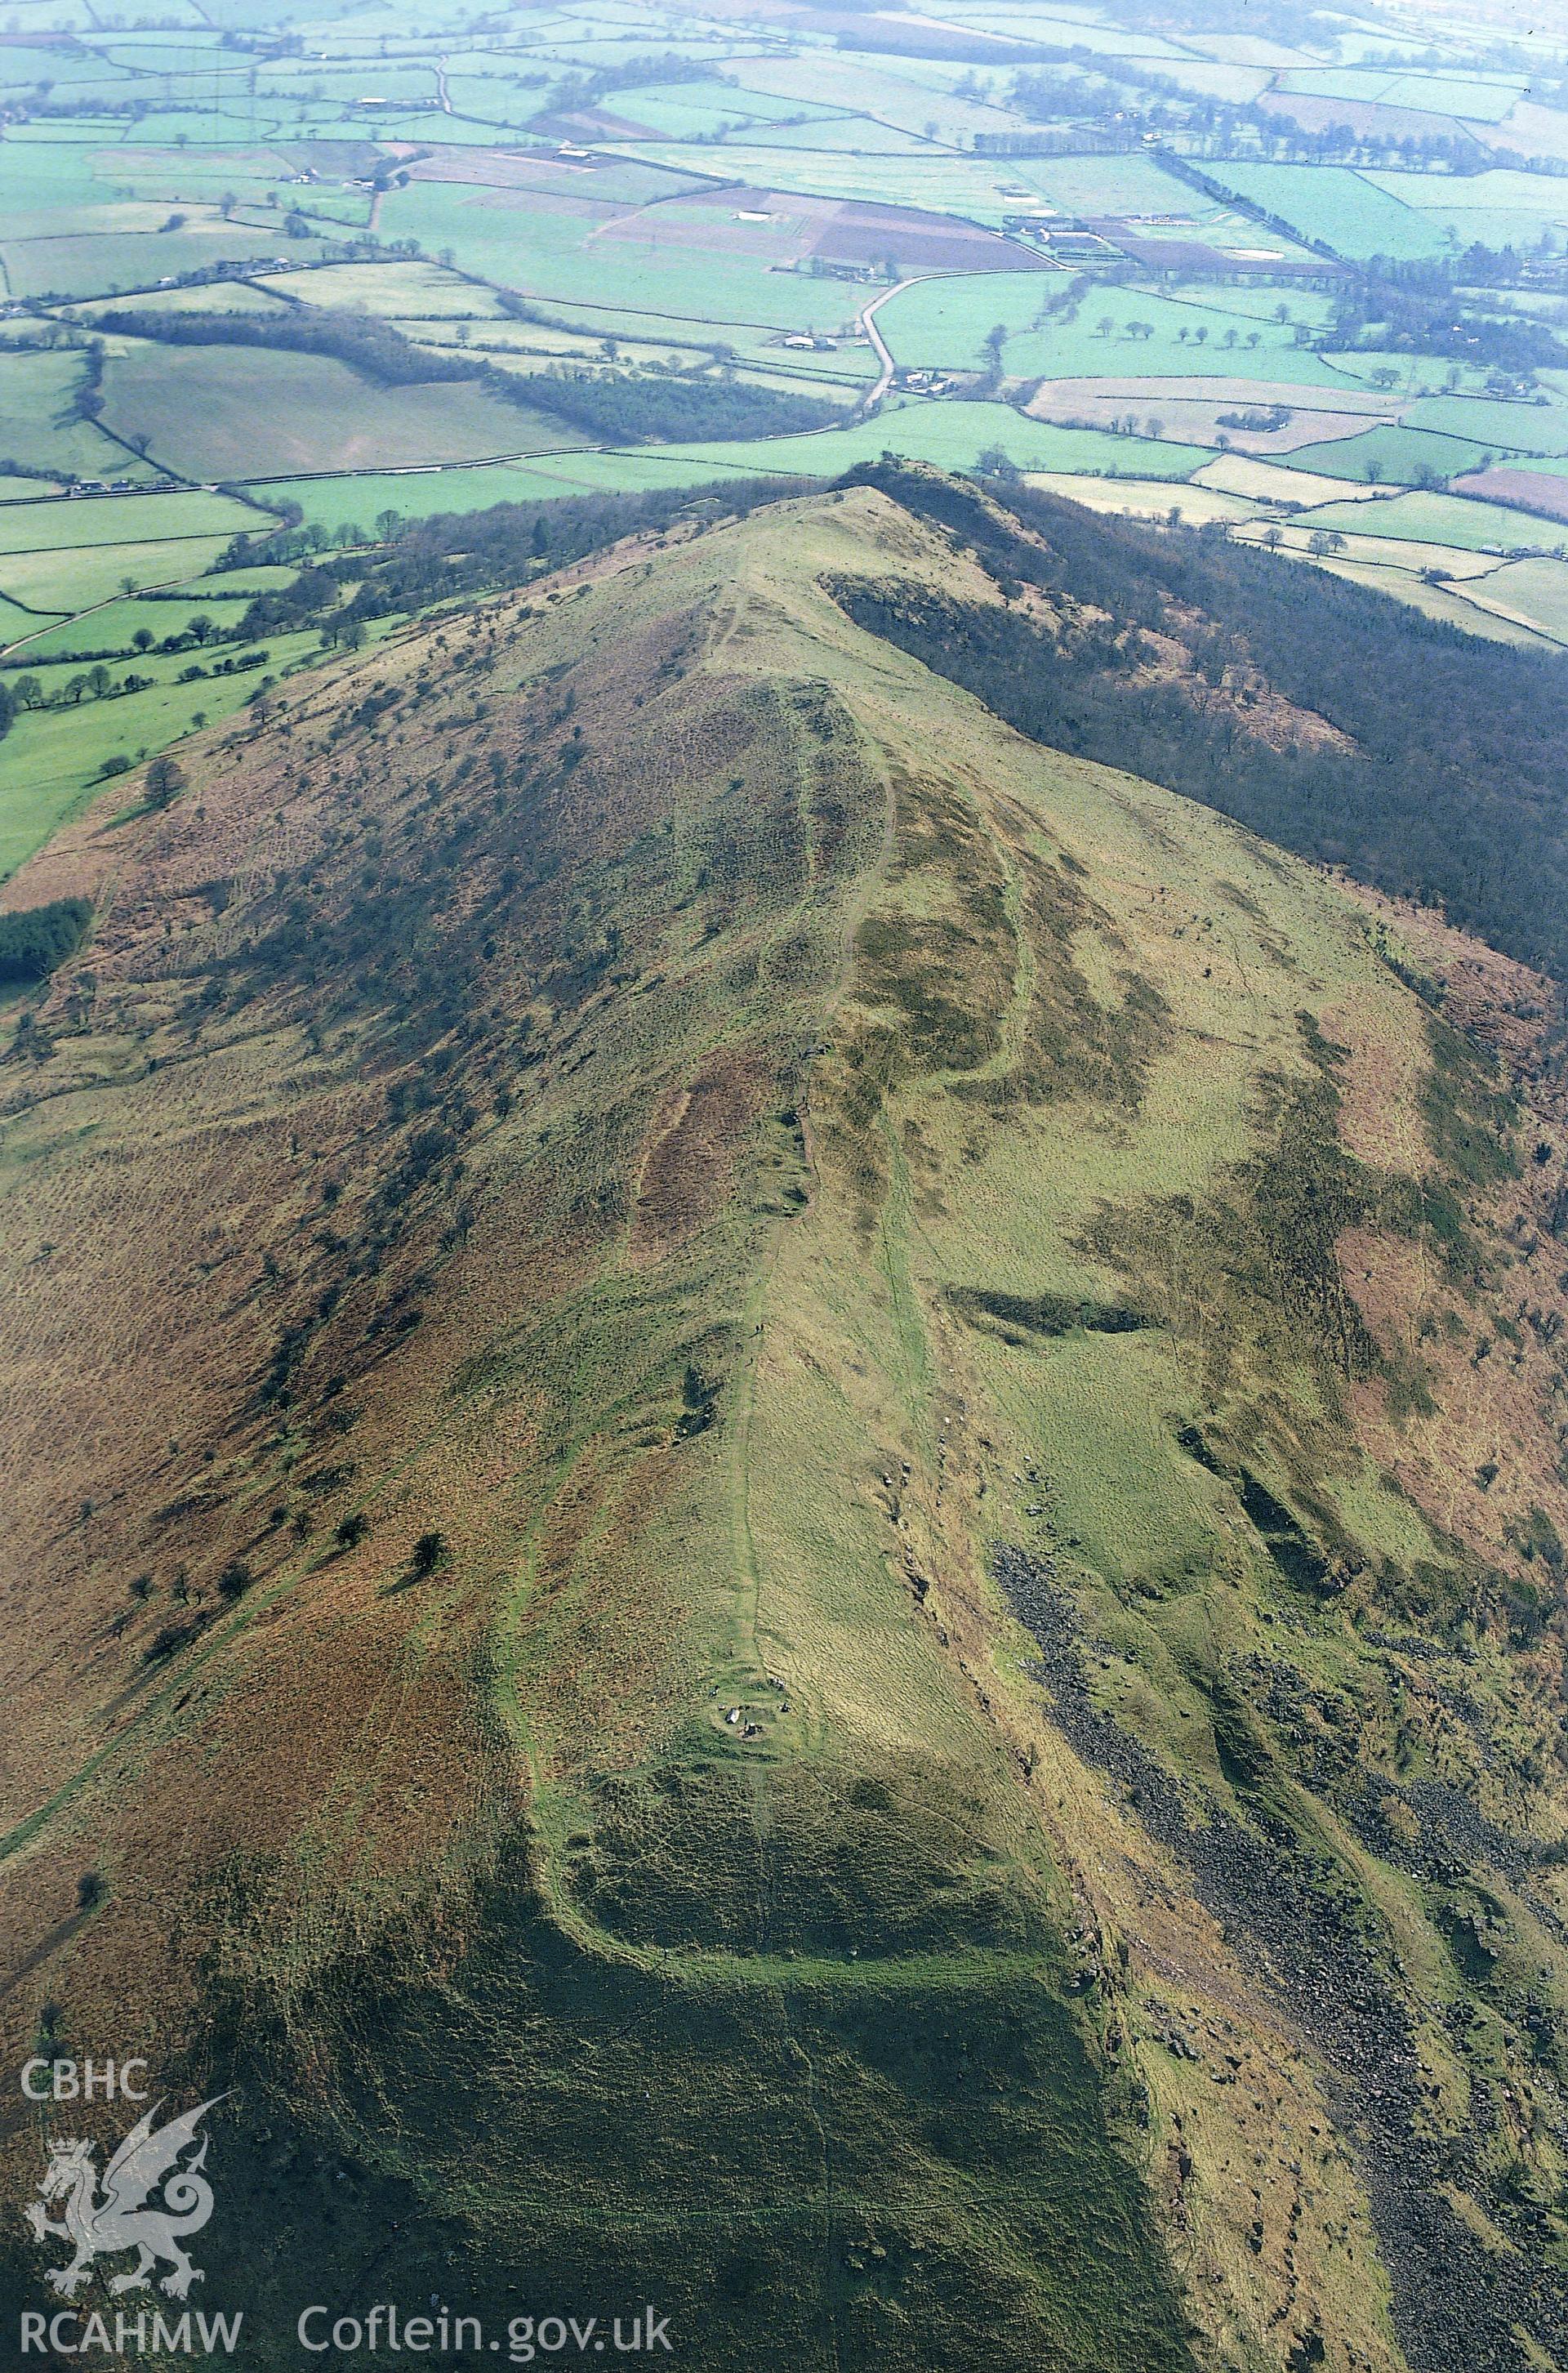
(122, 2216)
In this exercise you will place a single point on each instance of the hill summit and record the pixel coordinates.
(784, 1508)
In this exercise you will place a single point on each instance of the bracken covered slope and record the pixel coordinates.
(783, 1516)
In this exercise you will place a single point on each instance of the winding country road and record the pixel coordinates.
(867, 319)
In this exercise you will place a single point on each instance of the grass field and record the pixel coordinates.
(113, 626)
(974, 188)
(394, 290)
(849, 134)
(877, 92)
(76, 523)
(704, 111)
(1424, 518)
(1480, 102)
(680, 338)
(38, 424)
(1415, 376)
(523, 345)
(1398, 455)
(69, 579)
(954, 435)
(1389, 553)
(50, 183)
(15, 620)
(1484, 101)
(1532, 130)
(96, 262)
(1274, 481)
(208, 296)
(1534, 590)
(1504, 428)
(1134, 183)
(1528, 198)
(1329, 201)
(1201, 410)
(1454, 608)
(1462, 225)
(1191, 504)
(944, 323)
(567, 249)
(51, 759)
(59, 676)
(238, 411)
(356, 501)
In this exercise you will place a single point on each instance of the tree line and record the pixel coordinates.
(457, 553)
(613, 406)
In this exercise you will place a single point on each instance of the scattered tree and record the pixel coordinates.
(166, 780)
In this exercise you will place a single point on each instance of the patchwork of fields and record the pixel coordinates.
(272, 287)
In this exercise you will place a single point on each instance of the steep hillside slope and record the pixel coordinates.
(1336, 722)
(784, 1516)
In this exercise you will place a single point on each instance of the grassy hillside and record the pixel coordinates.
(1337, 722)
(743, 1425)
